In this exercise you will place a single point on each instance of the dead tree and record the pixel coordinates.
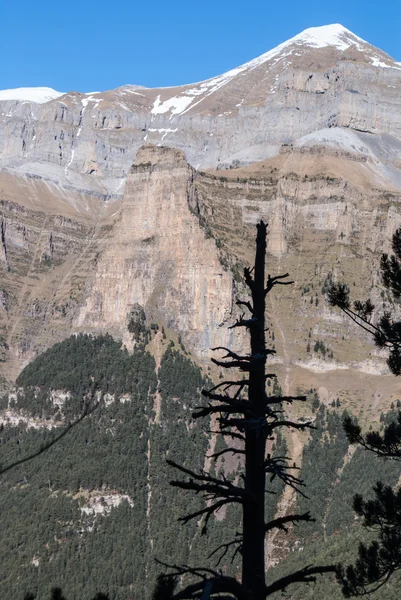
(244, 412)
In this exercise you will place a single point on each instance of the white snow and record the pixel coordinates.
(163, 131)
(40, 95)
(335, 36)
(376, 62)
(328, 35)
(176, 105)
(85, 101)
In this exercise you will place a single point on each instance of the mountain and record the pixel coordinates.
(321, 110)
(131, 213)
(326, 77)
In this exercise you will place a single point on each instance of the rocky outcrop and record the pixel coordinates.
(176, 246)
(158, 256)
(47, 237)
(90, 141)
(77, 251)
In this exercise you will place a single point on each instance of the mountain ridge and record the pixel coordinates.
(314, 137)
(335, 35)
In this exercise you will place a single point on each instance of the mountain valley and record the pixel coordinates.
(140, 201)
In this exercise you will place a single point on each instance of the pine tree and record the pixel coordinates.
(247, 417)
(386, 332)
(380, 559)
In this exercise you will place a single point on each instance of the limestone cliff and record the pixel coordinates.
(323, 112)
(178, 239)
(158, 256)
(325, 77)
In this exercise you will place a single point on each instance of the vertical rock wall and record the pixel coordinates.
(157, 255)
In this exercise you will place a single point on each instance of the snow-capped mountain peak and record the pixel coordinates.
(40, 95)
(335, 36)
(328, 35)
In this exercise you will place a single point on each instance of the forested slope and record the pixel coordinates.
(334, 472)
(94, 511)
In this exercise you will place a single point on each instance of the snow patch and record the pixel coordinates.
(163, 131)
(335, 36)
(176, 105)
(85, 101)
(40, 95)
(376, 62)
(328, 35)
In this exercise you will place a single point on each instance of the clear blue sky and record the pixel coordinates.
(89, 46)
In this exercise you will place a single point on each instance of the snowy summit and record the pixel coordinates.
(40, 95)
(334, 36)
(327, 36)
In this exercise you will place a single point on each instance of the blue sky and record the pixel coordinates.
(90, 46)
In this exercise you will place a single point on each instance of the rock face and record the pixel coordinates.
(47, 237)
(325, 77)
(158, 256)
(78, 251)
(176, 245)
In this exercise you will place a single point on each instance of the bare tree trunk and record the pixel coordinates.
(251, 417)
(253, 561)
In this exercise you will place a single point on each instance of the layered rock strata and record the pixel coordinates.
(158, 256)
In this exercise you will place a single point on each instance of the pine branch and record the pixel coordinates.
(212, 486)
(276, 467)
(241, 322)
(212, 582)
(185, 570)
(230, 353)
(245, 424)
(293, 424)
(362, 322)
(226, 385)
(248, 358)
(247, 305)
(209, 511)
(231, 408)
(387, 444)
(87, 411)
(281, 522)
(235, 364)
(289, 399)
(272, 281)
(248, 279)
(305, 575)
(216, 455)
(226, 547)
(233, 434)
